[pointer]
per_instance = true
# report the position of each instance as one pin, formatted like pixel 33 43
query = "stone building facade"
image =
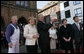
pixel 22 9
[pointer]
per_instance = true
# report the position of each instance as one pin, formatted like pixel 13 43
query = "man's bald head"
pixel 14 19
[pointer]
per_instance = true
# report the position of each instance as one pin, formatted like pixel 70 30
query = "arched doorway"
pixel 22 21
pixel 2 24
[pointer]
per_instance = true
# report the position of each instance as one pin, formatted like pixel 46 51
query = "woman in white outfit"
pixel 31 35
pixel 53 36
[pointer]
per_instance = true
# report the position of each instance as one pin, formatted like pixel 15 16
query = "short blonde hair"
pixel 30 18
pixel 13 17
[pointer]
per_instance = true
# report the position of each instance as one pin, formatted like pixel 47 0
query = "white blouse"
pixel 29 32
pixel 52 33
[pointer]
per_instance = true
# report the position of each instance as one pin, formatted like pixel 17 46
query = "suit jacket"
pixel 58 33
pixel 77 34
pixel 44 38
pixel 29 32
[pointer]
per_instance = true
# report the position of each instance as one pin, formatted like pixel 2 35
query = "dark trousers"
pixel 77 45
pixel 32 49
pixel 45 48
pixel 77 48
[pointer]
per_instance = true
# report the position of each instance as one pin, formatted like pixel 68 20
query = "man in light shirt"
pixel 77 34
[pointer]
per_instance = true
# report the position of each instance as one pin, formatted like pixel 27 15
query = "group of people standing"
pixel 70 35
pixel 43 35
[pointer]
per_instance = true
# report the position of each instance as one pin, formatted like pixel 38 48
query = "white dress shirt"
pixel 78 25
pixel 52 33
pixel 29 32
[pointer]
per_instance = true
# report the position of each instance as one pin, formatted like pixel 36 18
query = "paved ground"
pixel 22 50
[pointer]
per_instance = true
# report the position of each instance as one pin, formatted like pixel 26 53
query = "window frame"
pixel 17 3
pixel 23 3
pixel 77 14
pixel 65 4
pixel 67 14
pixel 74 2
pixel 26 4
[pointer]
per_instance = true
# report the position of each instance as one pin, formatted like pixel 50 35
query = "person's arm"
pixel 55 35
pixel 36 33
pixel 73 34
pixel 9 32
pixel 26 32
pixel 50 33
pixel 44 26
pixel 60 33
pixel 69 39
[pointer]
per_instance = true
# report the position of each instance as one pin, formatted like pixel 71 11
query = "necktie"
pixel 78 26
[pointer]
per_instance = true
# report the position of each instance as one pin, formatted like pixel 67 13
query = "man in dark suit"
pixel 58 35
pixel 44 39
pixel 77 34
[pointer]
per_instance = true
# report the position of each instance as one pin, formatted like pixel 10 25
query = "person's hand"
pixel 10 45
pixel 69 39
pixel 52 38
pixel 65 39
pixel 36 36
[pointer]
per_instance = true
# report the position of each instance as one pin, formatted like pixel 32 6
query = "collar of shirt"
pixel 31 25
pixel 15 25
pixel 77 23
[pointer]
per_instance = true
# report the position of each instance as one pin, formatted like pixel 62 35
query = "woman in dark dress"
pixel 66 37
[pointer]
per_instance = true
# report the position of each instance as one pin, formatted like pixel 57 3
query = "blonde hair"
pixel 30 18
pixel 13 17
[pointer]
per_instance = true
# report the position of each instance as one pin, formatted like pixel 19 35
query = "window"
pixel 18 2
pixel 26 3
pixel 78 12
pixel 22 3
pixel 76 2
pixel 66 4
pixel 3 1
pixel 67 14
